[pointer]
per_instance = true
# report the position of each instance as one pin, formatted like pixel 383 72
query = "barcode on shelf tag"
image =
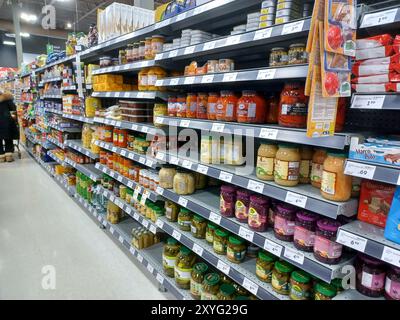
pixel 218 127
pixel 160 223
pixel 391 256
pixel 160 156
pixel 225 176
pixel 120 178
pixel 187 164
pixel 294 255
pixel 273 247
pixel 379 18
pixel 267 74
pixel 121 239
pixel 197 249
pixel 114 149
pixel 177 235
pixel 230 77
pixel 262 34
pixel 223 267
pixel 189 80
pixel 184 123
pixel 296 199
pixel 160 278
pixel 140 258
pixel 246 234
pixel 174 160
pixel 293 27
pixel 174 82
pixel 270 134
pixel 250 286
pixel 159 190
pixel 183 202
pixel 351 240
pixel 207 79
pixel 145 224
pixel 190 50
pixel 255 186
pixel 142 160
pixel 150 268
pixel 123 153
pixel 132 250
pixel 202 169
pixel 360 170
pixel 112 230
pixel 153 229
pixel 136 216
pixel 233 40
pixel 368 101
pixel 130 184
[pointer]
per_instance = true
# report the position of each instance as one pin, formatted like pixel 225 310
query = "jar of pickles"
pixel 278 57
pixel 236 249
pixel 264 266
pixel 297 54
pixel 196 282
pixel 185 219
pixel 198 227
pixel 184 182
pixel 284 222
pixel 281 277
pixel 170 253
pixel 324 291
pixel 184 267
pixel 300 286
pixel 226 292
pixel 220 241
pixel 171 211
pixel 211 228
pixel 210 286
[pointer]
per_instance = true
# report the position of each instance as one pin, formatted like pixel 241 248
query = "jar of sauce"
pixel 212 101
pixel 122 138
pixel 258 213
pixel 202 101
pixel 293 106
pixel 181 107
pixel 220 241
pixel 326 249
pixel 304 231
pixel 317 167
pixel 264 266
pixel 284 222
pixel 196 283
pixel 392 284
pixel 236 249
pixel 242 205
pixel 142 50
pixel 300 286
pixel 287 165
pixel 266 162
pixel 305 164
pixel 191 105
pixel 210 286
pixel 371 274
pixel 273 110
pixel 281 277
pixel 228 200
pixel 226 107
pixel 251 108
pixel 115 136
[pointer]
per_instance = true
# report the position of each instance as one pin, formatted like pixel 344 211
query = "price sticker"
pixel 119 178
pixel 126 94
pixel 134 127
pixel 160 278
pixel 368 102
pixel 360 170
pixel 114 149
pixel 105 223
pixel 197 249
pixel 233 40
pixel 173 54
pixel 225 176
pixel 160 156
pixel 159 190
pixel 351 240
pixel 145 224
pixel 136 216
pixel 177 235
pixel 250 286
pixel 118 124
pixel 190 50
pixel 209 45
pixel 391 256
pixel 296 199
pixel 293 27
pixel 142 160
pixel 202 169
pixel 187 164
pixel 218 127
pixel 112 174
pixel 141 95
pixel 207 79
pixel 137 191
pixel 150 268
pixel 262 34
pixel 246 234
pixel 294 255
pixel 230 77
pixel 153 229
pixel 128 210
pixel 183 202
pixel 112 230
pixel 123 153
pixel 184 123
pixel 266 74
pixel 132 250
pixel 140 258
pixel 159 120
pixel 376 19
pixel 104 170
pixel 160 223
pixel 131 156
pixel 255 186
pixel 223 267
pixel 108 94
pixel 112 198
pixel 130 184
pixel 99 218
pixel 149 163
pixel 174 82
pixel 270 134
pixel 121 239
pixel 189 80
pixel 174 160
pixel 143 199
pixel 273 247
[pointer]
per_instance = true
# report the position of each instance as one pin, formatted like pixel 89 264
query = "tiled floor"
pixel 40 226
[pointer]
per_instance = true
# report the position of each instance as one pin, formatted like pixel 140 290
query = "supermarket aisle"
pixel 40 226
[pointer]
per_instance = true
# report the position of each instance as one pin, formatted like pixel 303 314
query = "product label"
pixel 392 289
pixel 297 293
pixel 241 211
pixel 226 207
pixel 196 288
pixel 229 110
pixel 316 172
pixel 256 220
pixel 374 282
pixel 284 227
pixel 193 229
pixel 265 275
pixel 305 166
pixel 208 296
pixel 219 247
pixel 298 109
pixel 280 285
pixel 168 262
pixel 209 237
pixel 265 166
pixel 143 81
pixel 183 275
pixel 304 237
pixel 211 108
pixel 285 170
pixel 328 183
pixel 184 223
pixel 327 248
pixel 234 255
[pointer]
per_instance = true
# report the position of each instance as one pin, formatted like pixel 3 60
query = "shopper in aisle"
pixel 8 127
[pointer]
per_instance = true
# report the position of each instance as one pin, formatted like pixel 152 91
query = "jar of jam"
pixel 220 241
pixel 281 277
pixel 172 100
pixel 228 200
pixel 326 249
pixel 317 166
pixel 226 107
pixel 196 283
pixel 392 285
pixel 212 101
pixel 304 231
pixel 251 108
pixel 300 286
pixel 202 101
pixel 191 105
pixel 181 107
pixel 271 212
pixel 242 205
pixel 210 231
pixel 258 213
pixel 293 106
pixel 264 266
pixel 236 249
pixel 371 274
pixel 284 222
pixel 324 291
pixel 273 110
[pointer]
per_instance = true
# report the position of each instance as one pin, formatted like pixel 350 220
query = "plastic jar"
pixel 154 74
pixel 202 101
pixel 287 165
pixel 264 265
pixel 258 213
pixel 212 102
pixel 226 292
pixel 392 284
pixel 226 106
pixel 184 182
pixel 184 267
pixel 210 286
pixel 304 231
pixel 317 167
pixel 326 249
pixel 371 274
pixel 198 227
pixel 185 217
pixel 171 211
pixel 220 241
pixel 157 43
pixel 324 291
pixel 335 185
pixel 196 282
pixel 191 105
pixel 170 253
pixel 300 286
pixel 227 200
pixel 278 57
pixel 242 205
pixel 293 106
pixel 251 108
pixel 284 222
pixel 210 231
pixel 143 80
pixel 281 277
pixel 181 107
pixel 306 154
pixel 273 110
pixel 266 162
pixel 167 174
pixel 236 249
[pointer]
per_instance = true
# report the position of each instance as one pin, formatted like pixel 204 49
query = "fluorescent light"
pixel 69 25
pixel 25 34
pixel 28 17
pixel 9 43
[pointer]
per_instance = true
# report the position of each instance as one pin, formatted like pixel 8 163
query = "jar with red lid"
pixel 115 136
pixel 304 231
pixel 227 200
pixel 258 213
pixel 371 274
pixel 326 249
pixel 273 110
pixel 212 102
pixel 251 108
pixel 172 100
pixel 392 284
pixel 242 205
pixel 202 100
pixel 181 106
pixel 191 105
pixel 284 222
pixel 226 106
pixel 293 106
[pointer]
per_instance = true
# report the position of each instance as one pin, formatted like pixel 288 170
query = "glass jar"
pixel 122 57
pixel 324 291
pixel 226 106
pixel 200 181
pixel 306 154
pixel 143 79
pixel 284 222
pixel 293 106
pixel 167 174
pixel 264 265
pixel 226 292
pixel 210 231
pixel 227 200
pixel 172 100
pixel 198 227
pixel 184 182
pixel 371 275
pixel 287 165
pixel 209 149
pixel 392 284
pixel 202 101
pixel 281 277
pixel 335 185
pixel 236 250
pixel 297 54
pixel 184 267
pixel 252 251
pixel 278 57
pixel 128 53
pixel 135 51
pixel 212 101
pixel 160 110
pixel 171 211
pixel 170 253
pixel 317 167
pixel 266 162
pixel 154 74
pixel 251 108
pixel 196 282
pixel 258 213
pixel 300 286
pixel 326 250
pixel 210 286
pixel 191 105
pixel 273 110
pixel 181 106
pixel 142 50
pixel 271 213
pixel 220 241
pixel 242 205
pixel 157 44
pixel 304 231
pixel 148 49
pixel 185 217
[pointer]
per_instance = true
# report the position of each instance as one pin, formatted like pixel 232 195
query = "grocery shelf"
pixel 145 95
pixel 52 96
pixel 373 171
pixel 56 159
pixel 206 204
pixel 39 128
pixel 53 111
pixel 141 158
pixel 376 101
pixel 353 295
pixel 87 169
pixel 264 131
pixel 140 127
pixel 54 79
pixel 129 67
pixel 303 196
pixel 253 75
pixel 78 118
pixel 56 142
pixel 77 145
pixel 151 195
pixel 381 18
pixel 64 60
pixel 71 130
pixel 370 240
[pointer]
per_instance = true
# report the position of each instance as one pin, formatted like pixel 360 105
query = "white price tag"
pixel 130 184
pixel 112 198
pixel 160 223
pixel 197 249
pixel 209 45
pixel 141 94
pixel 140 258
pixel 250 286
pixel 189 80
pixel 112 230
pixel 173 54
pixel 174 82
pixel 120 178
pixel 368 101
pixel 160 156
pixel 262 34
pixel 123 153
pixel 112 174
pixel 105 223
pixel 218 127
pixel 187 164
pixel 174 160
pixel 159 190
pixel 132 250
pixel 142 160
pixel 270 134
pixel 293 27
pixel 246 234
pixel 190 50
pixel 143 200
pixel 134 127
pixel 177 235
pixel 294 255
pixel 255 186
pixel 104 170
pixel 230 77
pixel 136 217
pixel 296 199
pixel 391 256
pixel 223 267
pixel 183 202
pixel 159 120
pixel 108 94
pixel 149 163
pixel 131 156
pixel 128 210
pixel 267 74
pixel 202 169
pixel 136 193
pixel 273 247
pixel 360 170
pixel 233 40
pixel 379 18
pixel 153 229
pixel 126 94
pixel 160 278
pixel 184 123
pixel 225 176
pixel 99 218
pixel 351 240
pixel 114 149
pixel 145 224
pixel 150 268
pixel 207 79
pixel 121 239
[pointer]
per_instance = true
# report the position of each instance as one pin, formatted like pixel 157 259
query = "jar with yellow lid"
pixel 236 249
pixel 287 165
pixel 171 211
pixel 196 282
pixel 184 182
pixel 226 292
pixel 264 265
pixel 185 217
pixel 154 74
pixel 198 227
pixel 210 286
pixel 266 161
pixel 220 241
pixel 170 253
pixel 184 267
pixel 167 174
pixel 143 82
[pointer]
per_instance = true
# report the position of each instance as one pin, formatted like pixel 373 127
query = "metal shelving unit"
pixel 77 145
pixel 56 159
pixel 54 79
pixel 78 118
pixel 389 101
pixel 52 96
pixel 53 111
pixel 71 130
pixel 87 169
pixel 139 127
pixel 56 142
pixel 143 95
pixel 69 88
pixel 65 60
pixel 129 67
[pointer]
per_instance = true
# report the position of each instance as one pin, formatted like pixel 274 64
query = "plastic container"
pixel 304 231
pixel 326 249
pixel 258 213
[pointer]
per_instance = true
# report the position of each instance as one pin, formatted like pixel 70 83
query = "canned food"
pixel 283 19
pixel 266 24
pixel 270 10
pixel 267 17
pixel 287 12
pixel 288 5
pixel 268 3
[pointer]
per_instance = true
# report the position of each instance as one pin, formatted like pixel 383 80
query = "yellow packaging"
pixel 159 13
pixel 91 105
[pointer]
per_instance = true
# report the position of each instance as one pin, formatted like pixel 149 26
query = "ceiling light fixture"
pixel 12 35
pixel 9 43
pixel 69 25
pixel 28 17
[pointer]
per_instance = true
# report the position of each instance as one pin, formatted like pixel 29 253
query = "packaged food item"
pixel 202 102
pixel 258 213
pixel 374 42
pixel 172 101
pixel 304 231
pixel 284 222
pixel 209 149
pixel 226 292
pixel 392 230
pixel 266 162
pixel 251 108
pixel 167 174
pixel 154 74
pixel 181 106
pixel 227 106
pixel 264 265
pixel 375 53
pixel 242 205
pixel 297 54
pixel 236 249
pixel 160 110
pixel 185 217
pixel 300 286
pixel 210 231
pixel 157 43
pixel 212 101
pixel 371 274
pixel 226 65
pixel 287 165
pixel 191 105
pixel 170 253
pixel 293 106
pixel 196 282
pixel 184 267
pixel 210 286
pixel 171 211
pixel 198 227
pixel 273 110
pixel 212 66
pixel 278 57
pixel 317 166
pixel 324 291
pixel 184 182
pixel 326 249
pixel 220 241
pixel 305 164
pixel 392 284
pixel 228 200
pixel 281 277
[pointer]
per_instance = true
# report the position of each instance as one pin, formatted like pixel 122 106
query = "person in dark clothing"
pixel 8 127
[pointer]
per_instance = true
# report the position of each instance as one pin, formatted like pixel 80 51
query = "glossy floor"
pixel 42 230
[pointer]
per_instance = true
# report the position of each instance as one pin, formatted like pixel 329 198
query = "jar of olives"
pixel 236 249
pixel 297 54
pixel 220 241
pixel 198 227
pixel 226 292
pixel 278 57
pixel 185 219
pixel 196 283
pixel 170 253
pixel 210 286
pixel 300 286
pixel 184 267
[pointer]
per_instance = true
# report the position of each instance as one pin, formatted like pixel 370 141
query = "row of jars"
pixel 148 77
pixel 296 54
pixel 124 139
pixel 142 238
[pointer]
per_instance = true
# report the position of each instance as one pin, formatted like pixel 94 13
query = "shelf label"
pixel 131 156
pixel 202 169
pixel 293 27
pixel 144 198
pixel 134 127
pixel 123 153
pixel 112 230
pixel 183 202
pixel 233 40
pixel 273 247
pixel 296 199
pixel 159 120
pixel 104 170
pixel 149 163
pixel 160 156
pixel 391 256
pixel 262 34
pixel 207 79
pixel 177 235
pixel 121 239
pixel 376 19
pixel 159 190
pixel 130 184
pixel 250 286
pixel 126 95
pixel 99 218
pixel 140 258
pixel 132 250
pixel 368 102
pixel 352 241
pixel 137 191
pixel 360 170
pixel 190 50
pixel 105 223
pixel 267 74
pixel 173 54
pixel 294 255
pixel 225 176
pixel 255 186
pixel 145 224
pixel 223 267
pixel 215 218
pixel 142 160
pixel 141 94
pixel 218 127
pixel 230 77
pixel 209 45
pixel 160 278
pixel 189 80
pixel 128 210
pixel 114 149
pixel 112 174
pixel 136 217
pixel 160 223
pixel 246 234
pixel 174 82
pixel 174 160
pixel 120 178
pixel 187 164
pixel 153 229
pixel 150 268
pixel 270 134
pixel 197 249
pixel 184 123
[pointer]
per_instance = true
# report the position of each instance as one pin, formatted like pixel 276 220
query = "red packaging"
pixel 395 59
pixel 372 87
pixel 374 42
pixel 381 78
pixel 374 69
pixel 375 201
pixel 378 52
